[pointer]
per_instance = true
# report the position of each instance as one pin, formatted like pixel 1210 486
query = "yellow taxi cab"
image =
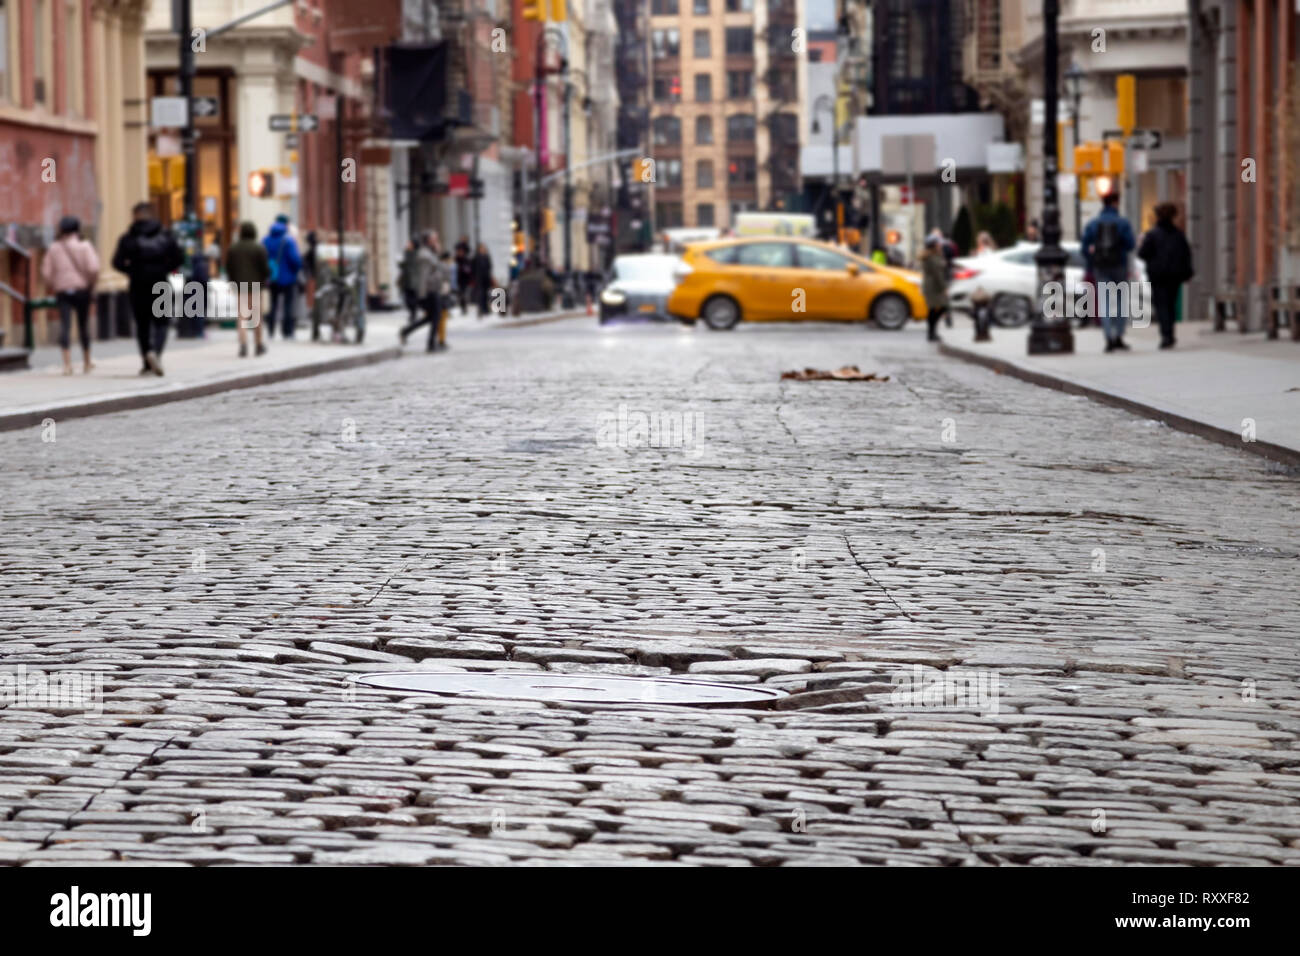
pixel 777 279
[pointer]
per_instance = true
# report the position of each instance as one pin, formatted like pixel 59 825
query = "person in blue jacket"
pixel 1108 242
pixel 286 262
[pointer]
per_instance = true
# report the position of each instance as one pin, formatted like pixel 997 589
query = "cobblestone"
pixel 226 567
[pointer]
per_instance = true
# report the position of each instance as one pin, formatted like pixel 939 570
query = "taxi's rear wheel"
pixel 890 311
pixel 721 313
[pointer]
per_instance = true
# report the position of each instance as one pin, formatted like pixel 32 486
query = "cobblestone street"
pixel 1124 596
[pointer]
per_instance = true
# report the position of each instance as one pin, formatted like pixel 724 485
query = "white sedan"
pixel 1010 277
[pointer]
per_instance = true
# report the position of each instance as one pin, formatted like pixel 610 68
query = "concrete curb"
pixel 1278 453
pixel 129 402
pixel 522 323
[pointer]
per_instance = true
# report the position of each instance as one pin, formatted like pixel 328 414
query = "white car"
pixel 1010 277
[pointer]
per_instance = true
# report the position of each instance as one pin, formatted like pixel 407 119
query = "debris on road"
pixel 847 373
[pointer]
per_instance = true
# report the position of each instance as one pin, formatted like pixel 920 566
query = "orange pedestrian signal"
pixel 261 183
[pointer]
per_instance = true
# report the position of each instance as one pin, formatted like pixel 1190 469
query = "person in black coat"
pixel 147 253
pixel 482 278
pixel 1168 257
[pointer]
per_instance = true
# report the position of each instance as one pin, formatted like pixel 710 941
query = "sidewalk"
pixel 1209 384
pixel 194 367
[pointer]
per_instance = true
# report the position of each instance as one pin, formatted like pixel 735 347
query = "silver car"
pixel 639 287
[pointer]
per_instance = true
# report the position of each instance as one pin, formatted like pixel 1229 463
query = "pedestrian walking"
pixel 249 267
pixel 1168 256
pixel 482 278
pixel 1107 241
pixel 286 263
pixel 950 253
pixel 406 280
pixel 464 273
pixel 985 244
pixel 148 254
pixel 70 270
pixel 432 286
pixel 934 284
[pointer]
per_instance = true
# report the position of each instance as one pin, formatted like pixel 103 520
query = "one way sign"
pixel 294 123
pixel 203 106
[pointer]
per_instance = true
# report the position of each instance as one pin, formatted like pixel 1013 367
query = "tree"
pixel 963 231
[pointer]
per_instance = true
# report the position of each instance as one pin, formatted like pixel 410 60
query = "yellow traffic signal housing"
pixel 1099 159
pixel 1126 103
pixel 548 220
pixel 559 13
pixel 533 10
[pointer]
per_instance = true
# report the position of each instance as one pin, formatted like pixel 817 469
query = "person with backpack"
pixel 247 264
pixel 147 253
pixel 1168 256
pixel 286 262
pixel 1107 241
pixel 70 270
pixel 934 284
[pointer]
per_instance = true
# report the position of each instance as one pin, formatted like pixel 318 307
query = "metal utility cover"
pixel 575 688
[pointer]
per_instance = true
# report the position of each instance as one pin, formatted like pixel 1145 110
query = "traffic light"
pixel 261 183
pixel 558 12
pixel 1126 103
pixel 533 10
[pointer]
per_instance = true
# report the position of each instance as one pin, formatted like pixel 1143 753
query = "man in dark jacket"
pixel 286 261
pixel 1168 256
pixel 148 254
pixel 482 277
pixel 464 271
pixel 248 267
pixel 1107 242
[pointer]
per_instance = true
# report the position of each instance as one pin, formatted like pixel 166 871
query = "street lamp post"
pixel 1074 80
pixel 826 103
pixel 1050 334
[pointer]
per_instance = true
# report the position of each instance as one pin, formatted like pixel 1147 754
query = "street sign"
pixel 291 141
pixel 204 105
pixel 1147 139
pixel 907 154
pixel 291 122
pixel 168 111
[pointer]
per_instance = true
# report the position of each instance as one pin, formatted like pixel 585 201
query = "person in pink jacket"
pixel 70 271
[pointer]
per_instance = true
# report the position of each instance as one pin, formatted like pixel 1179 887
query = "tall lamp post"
pixel 824 102
pixel 1074 80
pixel 1050 334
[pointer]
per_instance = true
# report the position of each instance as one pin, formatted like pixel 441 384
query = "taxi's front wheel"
pixel 890 311
pixel 721 313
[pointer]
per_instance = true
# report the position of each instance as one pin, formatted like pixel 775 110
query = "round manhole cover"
pixel 575 688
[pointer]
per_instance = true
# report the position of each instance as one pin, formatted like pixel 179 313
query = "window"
pixel 769 255
pixel 741 171
pixel 704 174
pixel 672 169
pixel 8 38
pixel 740 41
pixel 740 128
pixel 740 6
pixel 703 87
pixel 667 89
pixel 41 56
pixel 665 43
pixel 740 84
pixel 704 214
pixel 703 130
pixel 785 129
pixel 815 257
pixel 668 215
pixel 700 8
pixel 74 87
pixel 667 131
pixel 724 254
pixel 702 44
pixel 665 8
